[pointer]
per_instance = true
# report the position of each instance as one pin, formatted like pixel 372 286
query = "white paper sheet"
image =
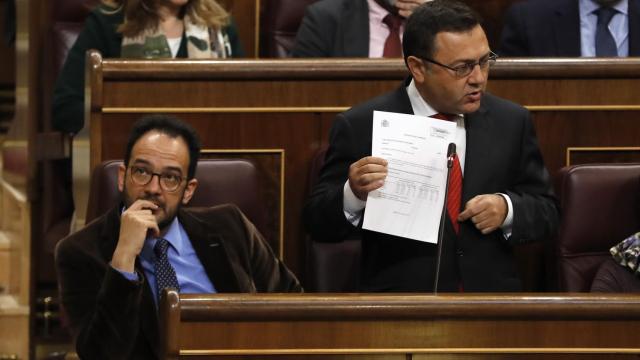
pixel 410 202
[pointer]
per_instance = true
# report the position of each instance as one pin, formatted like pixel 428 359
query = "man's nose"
pixel 154 184
pixel 478 76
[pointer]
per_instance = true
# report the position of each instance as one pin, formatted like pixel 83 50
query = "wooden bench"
pixel 376 326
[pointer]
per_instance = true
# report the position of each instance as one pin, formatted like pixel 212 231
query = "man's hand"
pixel 366 175
pixel 487 212
pixel 135 222
pixel 406 7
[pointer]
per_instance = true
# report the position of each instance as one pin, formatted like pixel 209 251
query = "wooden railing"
pixel 402 326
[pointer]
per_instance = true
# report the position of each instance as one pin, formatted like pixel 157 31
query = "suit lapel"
pixel 477 153
pixel 209 246
pixel 566 24
pixel 634 28
pixel 355 18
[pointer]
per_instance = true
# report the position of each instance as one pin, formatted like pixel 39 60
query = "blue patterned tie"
pixel 165 274
pixel 605 43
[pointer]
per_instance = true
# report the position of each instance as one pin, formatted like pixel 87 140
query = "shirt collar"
pixel 589 6
pixel 419 105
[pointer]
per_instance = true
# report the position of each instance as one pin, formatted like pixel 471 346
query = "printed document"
pixel 410 202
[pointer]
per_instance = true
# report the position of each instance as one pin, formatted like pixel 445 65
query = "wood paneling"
pixel 246 16
pixel 290 104
pixel 399 325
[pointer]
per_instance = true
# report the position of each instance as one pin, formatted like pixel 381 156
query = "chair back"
pixel 600 208
pixel 281 19
pixel 331 266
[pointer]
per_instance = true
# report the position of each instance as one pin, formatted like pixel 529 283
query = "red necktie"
pixel 393 46
pixel 454 194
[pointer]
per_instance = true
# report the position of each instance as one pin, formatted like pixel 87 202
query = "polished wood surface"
pixel 290 104
pixel 399 325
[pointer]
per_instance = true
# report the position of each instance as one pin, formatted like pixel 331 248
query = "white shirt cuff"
pixel 507 224
pixel 351 205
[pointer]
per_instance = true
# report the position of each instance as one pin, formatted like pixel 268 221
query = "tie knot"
pixel 160 249
pixel 393 21
pixel 605 13
pixel 442 116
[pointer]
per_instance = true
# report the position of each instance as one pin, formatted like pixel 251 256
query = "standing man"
pixel 506 198
pixel 572 28
pixel 112 272
pixel 353 28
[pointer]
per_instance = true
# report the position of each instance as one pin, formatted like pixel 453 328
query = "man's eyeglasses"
pixel 142 176
pixel 465 69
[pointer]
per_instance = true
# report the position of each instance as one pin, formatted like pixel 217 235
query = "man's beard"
pixel 170 215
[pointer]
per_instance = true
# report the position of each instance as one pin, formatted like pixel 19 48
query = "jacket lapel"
pixel 355 18
pixel 149 314
pixel 479 140
pixel 634 28
pixel 566 24
pixel 209 246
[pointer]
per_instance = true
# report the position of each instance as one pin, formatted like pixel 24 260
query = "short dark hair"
pixel 168 125
pixel 431 18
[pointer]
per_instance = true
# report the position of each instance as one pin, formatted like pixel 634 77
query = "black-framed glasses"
pixel 142 176
pixel 465 69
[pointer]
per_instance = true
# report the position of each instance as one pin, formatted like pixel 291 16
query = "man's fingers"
pixel 471 209
pixel 485 212
pixel 370 160
pixel 367 179
pixel 142 204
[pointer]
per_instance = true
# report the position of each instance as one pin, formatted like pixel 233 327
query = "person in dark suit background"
pixel 506 196
pixel 569 28
pixel 112 272
pixel 353 28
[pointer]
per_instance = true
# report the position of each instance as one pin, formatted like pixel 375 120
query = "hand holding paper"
pixel 366 175
pixel 409 204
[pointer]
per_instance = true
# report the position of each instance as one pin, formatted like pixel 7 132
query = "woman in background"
pixel 146 29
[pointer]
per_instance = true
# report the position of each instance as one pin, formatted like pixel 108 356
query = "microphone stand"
pixel 451 152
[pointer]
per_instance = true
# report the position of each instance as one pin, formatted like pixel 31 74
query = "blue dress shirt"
pixel 619 27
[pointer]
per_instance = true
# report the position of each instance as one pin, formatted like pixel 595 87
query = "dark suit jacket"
pixel 551 28
pixel 114 318
pixel 334 28
pixel 502 155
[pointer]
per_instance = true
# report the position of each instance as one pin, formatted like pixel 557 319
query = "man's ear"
pixel 122 173
pixel 189 190
pixel 417 68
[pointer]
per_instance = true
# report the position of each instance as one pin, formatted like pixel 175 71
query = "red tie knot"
pixel 393 21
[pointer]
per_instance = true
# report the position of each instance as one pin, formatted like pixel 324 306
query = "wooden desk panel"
pixel 399 326
pixel 290 104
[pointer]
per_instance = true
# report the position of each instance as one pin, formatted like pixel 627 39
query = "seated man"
pixel 504 196
pixel 112 272
pixel 572 28
pixel 353 28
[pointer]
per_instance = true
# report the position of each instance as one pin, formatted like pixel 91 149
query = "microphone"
pixel 451 153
